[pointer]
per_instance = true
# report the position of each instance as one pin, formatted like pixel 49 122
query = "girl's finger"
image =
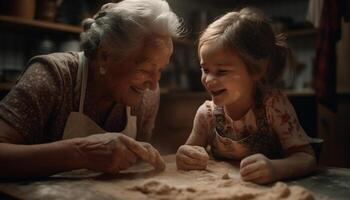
pixel 249 169
pixel 252 176
pixel 247 161
pixel 190 161
pixel 196 154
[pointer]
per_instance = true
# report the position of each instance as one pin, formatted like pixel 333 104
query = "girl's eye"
pixel 222 72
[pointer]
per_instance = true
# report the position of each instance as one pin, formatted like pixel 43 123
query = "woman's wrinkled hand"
pixel 146 152
pixel 191 158
pixel 112 152
pixel 257 168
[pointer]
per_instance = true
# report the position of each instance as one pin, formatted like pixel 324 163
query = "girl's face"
pixel 127 81
pixel 225 75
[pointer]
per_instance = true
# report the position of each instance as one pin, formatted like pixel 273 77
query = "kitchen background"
pixel 32 27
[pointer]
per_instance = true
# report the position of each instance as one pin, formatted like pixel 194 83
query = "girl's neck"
pixel 240 108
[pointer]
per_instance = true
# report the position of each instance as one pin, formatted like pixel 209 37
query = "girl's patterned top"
pixel 270 127
pixel 39 104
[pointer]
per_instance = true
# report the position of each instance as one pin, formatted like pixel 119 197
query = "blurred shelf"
pixel 17 22
pixel 301 32
pixel 343 92
pixel 306 92
pixel 184 42
pixel 6 86
pixel 38 24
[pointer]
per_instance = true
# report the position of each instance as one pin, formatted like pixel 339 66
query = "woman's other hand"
pixel 257 168
pixel 112 152
pixel 191 158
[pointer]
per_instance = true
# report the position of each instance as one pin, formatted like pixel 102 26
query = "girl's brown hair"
pixel 249 33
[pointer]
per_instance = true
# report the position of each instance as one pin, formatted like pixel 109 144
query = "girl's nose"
pixel 211 81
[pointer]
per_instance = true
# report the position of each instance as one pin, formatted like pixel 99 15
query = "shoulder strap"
pixel 82 80
pixel 260 112
pixel 219 117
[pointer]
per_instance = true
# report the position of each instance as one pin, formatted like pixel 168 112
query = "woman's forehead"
pixel 155 50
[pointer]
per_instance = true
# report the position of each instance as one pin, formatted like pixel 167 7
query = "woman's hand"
pixel 112 152
pixel 146 152
pixel 257 168
pixel 191 157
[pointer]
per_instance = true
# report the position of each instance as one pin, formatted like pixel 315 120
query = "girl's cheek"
pixel 203 79
pixel 236 76
pixel 233 78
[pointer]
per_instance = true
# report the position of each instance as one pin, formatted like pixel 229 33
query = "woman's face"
pixel 225 75
pixel 128 80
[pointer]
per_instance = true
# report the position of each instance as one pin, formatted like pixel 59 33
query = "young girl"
pixel 241 59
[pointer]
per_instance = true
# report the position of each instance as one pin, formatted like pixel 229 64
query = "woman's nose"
pixel 152 83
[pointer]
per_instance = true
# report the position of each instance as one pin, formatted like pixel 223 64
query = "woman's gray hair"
pixel 125 25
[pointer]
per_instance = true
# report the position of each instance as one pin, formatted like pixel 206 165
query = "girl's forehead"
pixel 211 57
pixel 213 51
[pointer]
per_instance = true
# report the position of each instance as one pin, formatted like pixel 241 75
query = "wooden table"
pixel 326 183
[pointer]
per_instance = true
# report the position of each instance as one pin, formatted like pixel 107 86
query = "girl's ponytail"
pixel 280 56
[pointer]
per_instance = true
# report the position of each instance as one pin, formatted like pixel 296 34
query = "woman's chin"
pixel 133 101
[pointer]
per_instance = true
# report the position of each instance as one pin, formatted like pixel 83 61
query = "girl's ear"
pixel 264 63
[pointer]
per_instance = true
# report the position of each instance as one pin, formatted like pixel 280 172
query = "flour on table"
pixel 220 181
pixel 222 190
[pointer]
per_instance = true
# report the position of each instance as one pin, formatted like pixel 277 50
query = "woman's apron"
pixel 78 124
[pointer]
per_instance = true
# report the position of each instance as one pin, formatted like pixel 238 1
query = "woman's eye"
pixel 142 71
pixel 205 70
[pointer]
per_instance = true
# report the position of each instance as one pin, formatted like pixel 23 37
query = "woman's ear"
pixel 102 59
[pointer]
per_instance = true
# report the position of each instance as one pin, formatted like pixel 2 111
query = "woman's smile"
pixel 137 89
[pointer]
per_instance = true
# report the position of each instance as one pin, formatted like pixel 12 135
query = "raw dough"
pixel 220 181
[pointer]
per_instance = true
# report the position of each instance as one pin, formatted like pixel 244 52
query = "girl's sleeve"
pixel 284 121
pixel 202 127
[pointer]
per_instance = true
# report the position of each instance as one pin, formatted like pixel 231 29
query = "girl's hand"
pixel 112 152
pixel 191 157
pixel 257 168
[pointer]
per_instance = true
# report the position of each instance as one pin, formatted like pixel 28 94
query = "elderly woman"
pixel 49 122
